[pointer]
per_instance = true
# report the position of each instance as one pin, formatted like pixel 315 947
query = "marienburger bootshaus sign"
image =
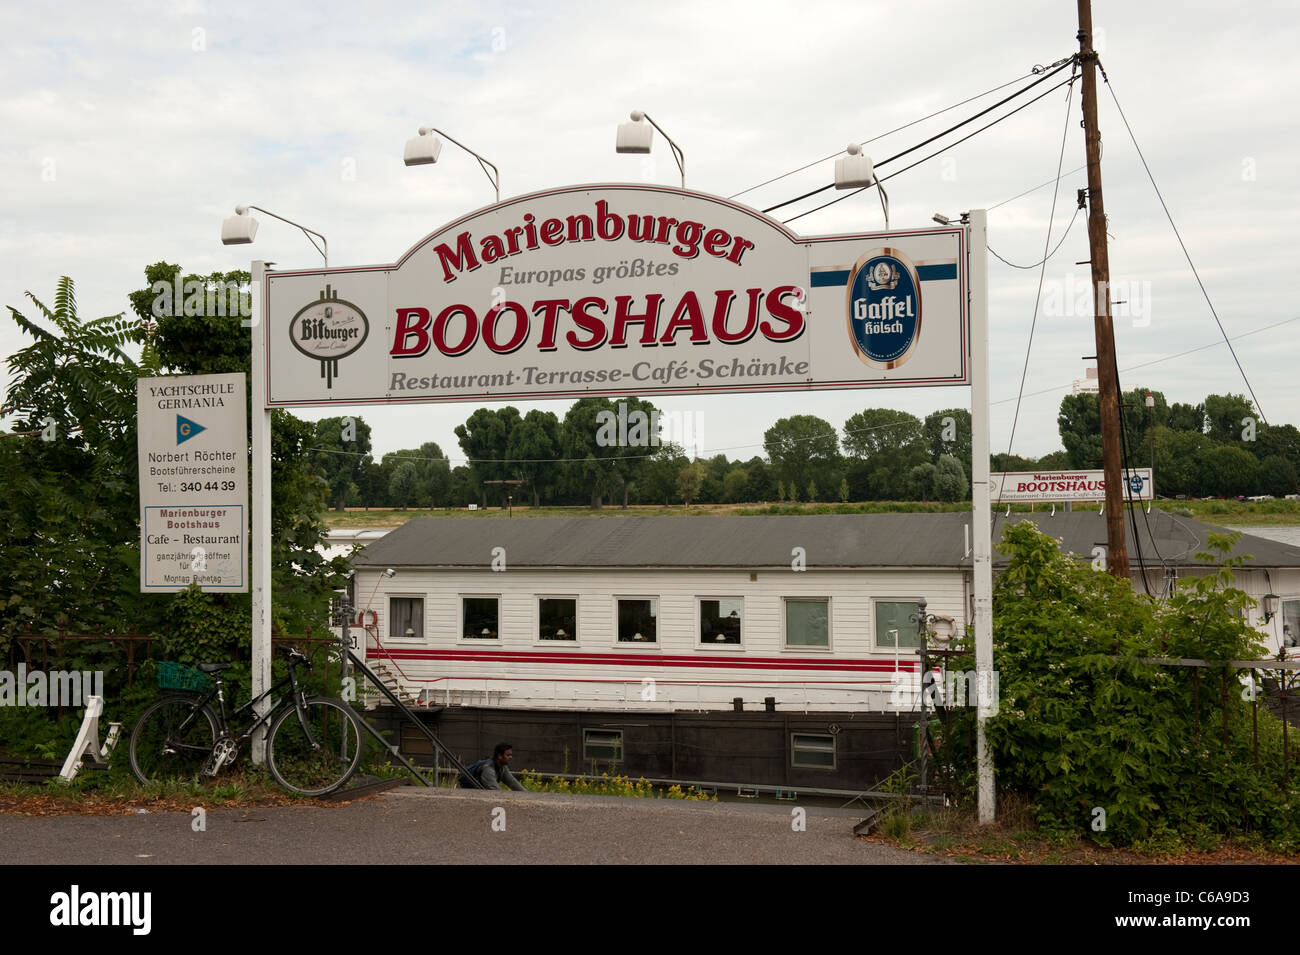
pixel 193 451
pixel 617 290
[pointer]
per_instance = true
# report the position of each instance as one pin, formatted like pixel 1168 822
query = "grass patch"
pixel 1262 513
pixel 1015 839
pixel 106 794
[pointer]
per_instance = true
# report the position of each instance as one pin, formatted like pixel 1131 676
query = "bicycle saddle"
pixel 214 667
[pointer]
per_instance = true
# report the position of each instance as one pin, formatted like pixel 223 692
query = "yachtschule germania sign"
pixel 622 289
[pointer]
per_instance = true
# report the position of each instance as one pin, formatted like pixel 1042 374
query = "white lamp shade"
pixel 238 230
pixel 422 150
pixel 853 172
pixel 634 137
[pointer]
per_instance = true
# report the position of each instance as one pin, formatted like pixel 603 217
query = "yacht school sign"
pixel 621 289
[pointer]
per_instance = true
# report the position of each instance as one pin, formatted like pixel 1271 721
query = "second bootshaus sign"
pixel 615 290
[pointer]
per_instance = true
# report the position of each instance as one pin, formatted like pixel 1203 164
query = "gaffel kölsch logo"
pixel 328 330
pixel 884 308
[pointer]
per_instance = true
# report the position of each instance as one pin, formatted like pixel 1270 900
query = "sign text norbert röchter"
pixel 193 457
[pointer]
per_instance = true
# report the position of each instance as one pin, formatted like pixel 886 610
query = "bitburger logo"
pixel 329 330
pixel 884 308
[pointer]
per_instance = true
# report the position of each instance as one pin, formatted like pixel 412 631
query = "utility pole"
pixel 1107 377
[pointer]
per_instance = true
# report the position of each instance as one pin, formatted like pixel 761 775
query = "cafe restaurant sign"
pixel 616 290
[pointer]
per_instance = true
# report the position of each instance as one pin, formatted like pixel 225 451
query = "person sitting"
pixel 495 771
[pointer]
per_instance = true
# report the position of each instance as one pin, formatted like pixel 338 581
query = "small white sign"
pixel 1010 487
pixel 193 455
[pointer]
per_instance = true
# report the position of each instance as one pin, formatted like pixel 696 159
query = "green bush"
pixel 1084 723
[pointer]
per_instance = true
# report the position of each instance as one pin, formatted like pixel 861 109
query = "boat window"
pixel 557 618
pixel 812 750
pixel 807 622
pixel 638 620
pixel 406 618
pixel 893 628
pixel 720 620
pixel 602 746
pixel 479 616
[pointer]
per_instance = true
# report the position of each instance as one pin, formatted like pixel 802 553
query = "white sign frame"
pixel 1050 486
pixel 638 316
pixel 192 446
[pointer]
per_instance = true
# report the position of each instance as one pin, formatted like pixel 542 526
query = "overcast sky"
pixel 132 129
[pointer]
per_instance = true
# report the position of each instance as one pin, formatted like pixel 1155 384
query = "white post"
pixel 981 524
pixel 261 524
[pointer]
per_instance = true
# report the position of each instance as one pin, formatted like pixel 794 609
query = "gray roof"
pixel 829 540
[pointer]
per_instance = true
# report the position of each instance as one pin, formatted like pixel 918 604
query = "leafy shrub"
pixel 1084 721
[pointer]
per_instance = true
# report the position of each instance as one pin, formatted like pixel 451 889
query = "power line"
pixel 925 142
pixel 1047 242
pixel 1165 358
pixel 1064 236
pixel 1035 189
pixel 1181 244
pixel 896 129
pixel 932 155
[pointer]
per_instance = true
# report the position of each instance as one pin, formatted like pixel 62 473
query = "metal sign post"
pixel 261 576
pixel 981 518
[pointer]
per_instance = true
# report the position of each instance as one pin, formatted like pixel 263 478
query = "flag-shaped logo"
pixel 186 429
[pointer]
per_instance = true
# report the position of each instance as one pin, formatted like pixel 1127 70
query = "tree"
pixel 999 463
pixel 923 481
pixel 68 517
pixel 1183 417
pixel 342 457
pixel 1079 422
pixel 736 485
pixel 1139 420
pixel 485 437
pixel 658 481
pixel 689 480
pixel 591 469
pixel 1055 461
pixel 761 483
pixel 531 448
pixel 1177 461
pixel 1278 476
pixel 404 486
pixel 1226 416
pixel 949 432
pixel 890 444
pixel 1281 440
pixel 802 448
pixel 1228 471
pixel 844 490
pixel 950 482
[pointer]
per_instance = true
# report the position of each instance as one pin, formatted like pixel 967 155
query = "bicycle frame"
pixel 224 722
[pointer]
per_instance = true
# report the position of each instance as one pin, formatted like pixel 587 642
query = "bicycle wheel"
pixel 316 754
pixel 172 740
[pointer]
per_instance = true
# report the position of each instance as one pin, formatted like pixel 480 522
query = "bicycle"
pixel 313 744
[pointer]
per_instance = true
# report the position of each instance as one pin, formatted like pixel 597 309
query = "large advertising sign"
pixel 193 455
pixel 616 290
pixel 1010 487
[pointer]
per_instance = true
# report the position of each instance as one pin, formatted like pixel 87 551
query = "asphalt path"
pixel 438 826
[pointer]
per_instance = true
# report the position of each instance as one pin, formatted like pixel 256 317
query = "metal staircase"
pixel 388 686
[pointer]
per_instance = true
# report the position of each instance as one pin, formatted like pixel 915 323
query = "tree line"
pixel 542 458
pixel 1217 448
